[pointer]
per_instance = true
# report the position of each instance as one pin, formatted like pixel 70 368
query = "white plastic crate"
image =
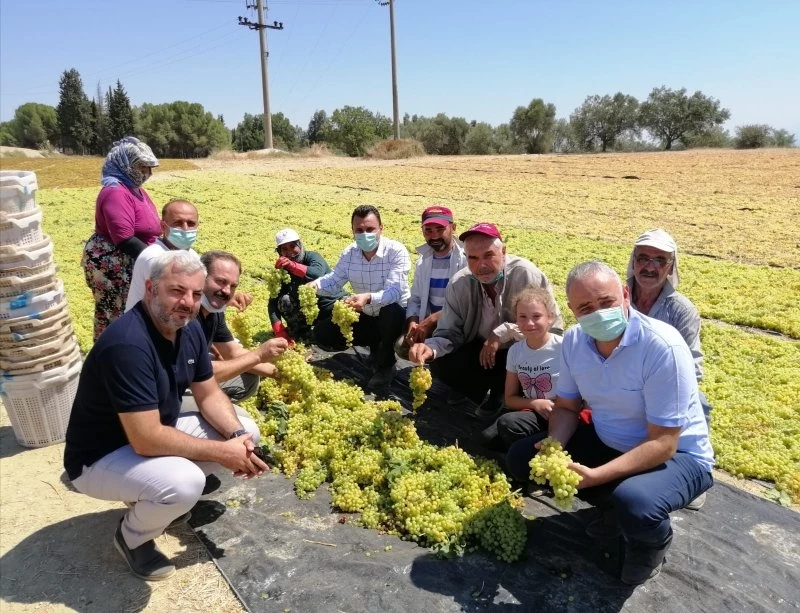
pixel 27 304
pixel 56 327
pixel 17 191
pixel 18 353
pixel 34 321
pixel 33 366
pixel 21 228
pixel 15 259
pixel 12 286
pixel 39 409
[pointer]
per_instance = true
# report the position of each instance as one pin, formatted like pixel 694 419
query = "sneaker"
pixel 604 528
pixel 383 377
pixel 697 503
pixel 490 408
pixel 145 561
pixel 212 484
pixel 179 521
pixel 642 563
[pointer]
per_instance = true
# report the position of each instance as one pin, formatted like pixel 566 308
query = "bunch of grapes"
pixel 242 331
pixel 500 529
pixel 308 303
pixel 274 278
pixel 551 465
pixel 345 316
pixel 420 381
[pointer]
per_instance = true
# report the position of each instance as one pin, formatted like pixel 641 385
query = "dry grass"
pixel 396 149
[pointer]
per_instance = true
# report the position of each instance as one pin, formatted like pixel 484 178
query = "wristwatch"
pixel 238 433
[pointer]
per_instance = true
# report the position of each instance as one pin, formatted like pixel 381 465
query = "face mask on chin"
pixel 604 325
pixel 367 241
pixel 181 239
pixel 204 302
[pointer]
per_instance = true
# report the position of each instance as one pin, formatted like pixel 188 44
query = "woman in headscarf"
pixel 126 221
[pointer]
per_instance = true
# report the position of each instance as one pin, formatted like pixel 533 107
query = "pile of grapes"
pixel 322 430
pixel 551 465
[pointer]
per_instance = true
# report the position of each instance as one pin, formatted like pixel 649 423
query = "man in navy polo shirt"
pixel 648 445
pixel 127 440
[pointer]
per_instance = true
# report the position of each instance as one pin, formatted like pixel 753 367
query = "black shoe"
pixel 383 377
pixel 145 561
pixel 212 484
pixel 642 563
pixel 490 408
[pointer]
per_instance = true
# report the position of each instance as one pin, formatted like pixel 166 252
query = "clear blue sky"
pixel 478 60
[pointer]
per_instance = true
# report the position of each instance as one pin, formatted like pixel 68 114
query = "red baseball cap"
pixel 439 215
pixel 485 228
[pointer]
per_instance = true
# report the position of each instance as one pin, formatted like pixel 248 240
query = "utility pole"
pixel 262 39
pixel 395 104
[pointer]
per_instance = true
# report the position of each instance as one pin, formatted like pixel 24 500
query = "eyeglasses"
pixel 658 262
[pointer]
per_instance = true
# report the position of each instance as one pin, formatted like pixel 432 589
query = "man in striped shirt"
pixel 440 258
pixel 377 269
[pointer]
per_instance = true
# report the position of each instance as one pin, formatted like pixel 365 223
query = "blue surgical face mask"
pixel 498 278
pixel 605 324
pixel 182 239
pixel 367 241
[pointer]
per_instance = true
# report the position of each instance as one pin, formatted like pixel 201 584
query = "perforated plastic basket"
pixel 28 304
pixel 16 285
pixel 17 191
pixel 33 321
pixel 15 259
pixel 19 353
pixel 21 228
pixel 39 410
pixel 67 355
pixel 57 326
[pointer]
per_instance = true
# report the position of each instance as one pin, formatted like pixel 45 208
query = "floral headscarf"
pixel 119 167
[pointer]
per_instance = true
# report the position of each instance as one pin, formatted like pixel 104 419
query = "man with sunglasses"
pixel 652 282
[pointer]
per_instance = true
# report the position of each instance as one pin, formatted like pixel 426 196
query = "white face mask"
pixel 209 307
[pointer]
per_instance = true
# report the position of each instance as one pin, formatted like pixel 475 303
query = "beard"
pixel 438 244
pixel 170 318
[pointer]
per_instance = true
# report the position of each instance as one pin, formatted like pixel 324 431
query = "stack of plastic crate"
pixel 39 355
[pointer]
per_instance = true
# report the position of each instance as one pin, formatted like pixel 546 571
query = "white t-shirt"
pixel 141 271
pixel 537 369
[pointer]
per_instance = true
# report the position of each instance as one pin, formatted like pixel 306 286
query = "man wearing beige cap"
pixel 440 257
pixel 652 279
pixel 471 341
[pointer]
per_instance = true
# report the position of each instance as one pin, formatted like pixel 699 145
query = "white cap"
pixel 658 239
pixel 287 235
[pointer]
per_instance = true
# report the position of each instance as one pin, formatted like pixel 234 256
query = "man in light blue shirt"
pixel 648 443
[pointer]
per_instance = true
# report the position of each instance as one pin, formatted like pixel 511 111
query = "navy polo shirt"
pixel 130 368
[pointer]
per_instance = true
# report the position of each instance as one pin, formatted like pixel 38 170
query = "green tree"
pixel 755 136
pixel 716 138
pixel 564 140
pixel 480 140
pixel 356 129
pixel 283 130
pixel 600 120
pixel 7 138
pixel 120 114
pixel 318 128
pixel 74 114
pixel 672 116
pixel 532 125
pixel 248 135
pixel 34 126
pixel 782 138
pixel 180 129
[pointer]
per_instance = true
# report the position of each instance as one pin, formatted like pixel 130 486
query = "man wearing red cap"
pixel 466 347
pixel 440 258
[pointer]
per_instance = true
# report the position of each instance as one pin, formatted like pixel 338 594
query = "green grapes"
pixel 420 381
pixel 345 316
pixel 242 331
pixel 322 430
pixel 274 278
pixel 551 465
pixel 308 303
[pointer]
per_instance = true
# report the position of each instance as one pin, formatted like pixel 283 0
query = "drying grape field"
pixel 734 216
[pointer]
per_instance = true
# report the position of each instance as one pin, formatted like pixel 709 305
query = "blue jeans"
pixel 642 502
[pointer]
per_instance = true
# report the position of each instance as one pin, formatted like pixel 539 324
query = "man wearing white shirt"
pixel 179 221
pixel 377 269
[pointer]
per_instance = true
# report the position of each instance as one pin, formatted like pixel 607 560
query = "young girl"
pixel 531 369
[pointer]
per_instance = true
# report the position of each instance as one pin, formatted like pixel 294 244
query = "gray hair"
pixel 177 261
pixel 590 269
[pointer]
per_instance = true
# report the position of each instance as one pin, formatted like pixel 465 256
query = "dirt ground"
pixel 56 551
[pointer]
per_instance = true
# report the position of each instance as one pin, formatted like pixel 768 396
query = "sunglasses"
pixel 658 262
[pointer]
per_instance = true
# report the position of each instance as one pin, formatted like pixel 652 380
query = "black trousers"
pixel 462 371
pixel 378 332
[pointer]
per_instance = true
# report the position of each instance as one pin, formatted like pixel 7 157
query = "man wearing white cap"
pixel 471 341
pixel 303 266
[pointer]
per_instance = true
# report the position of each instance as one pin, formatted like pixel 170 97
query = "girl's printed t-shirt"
pixel 537 369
